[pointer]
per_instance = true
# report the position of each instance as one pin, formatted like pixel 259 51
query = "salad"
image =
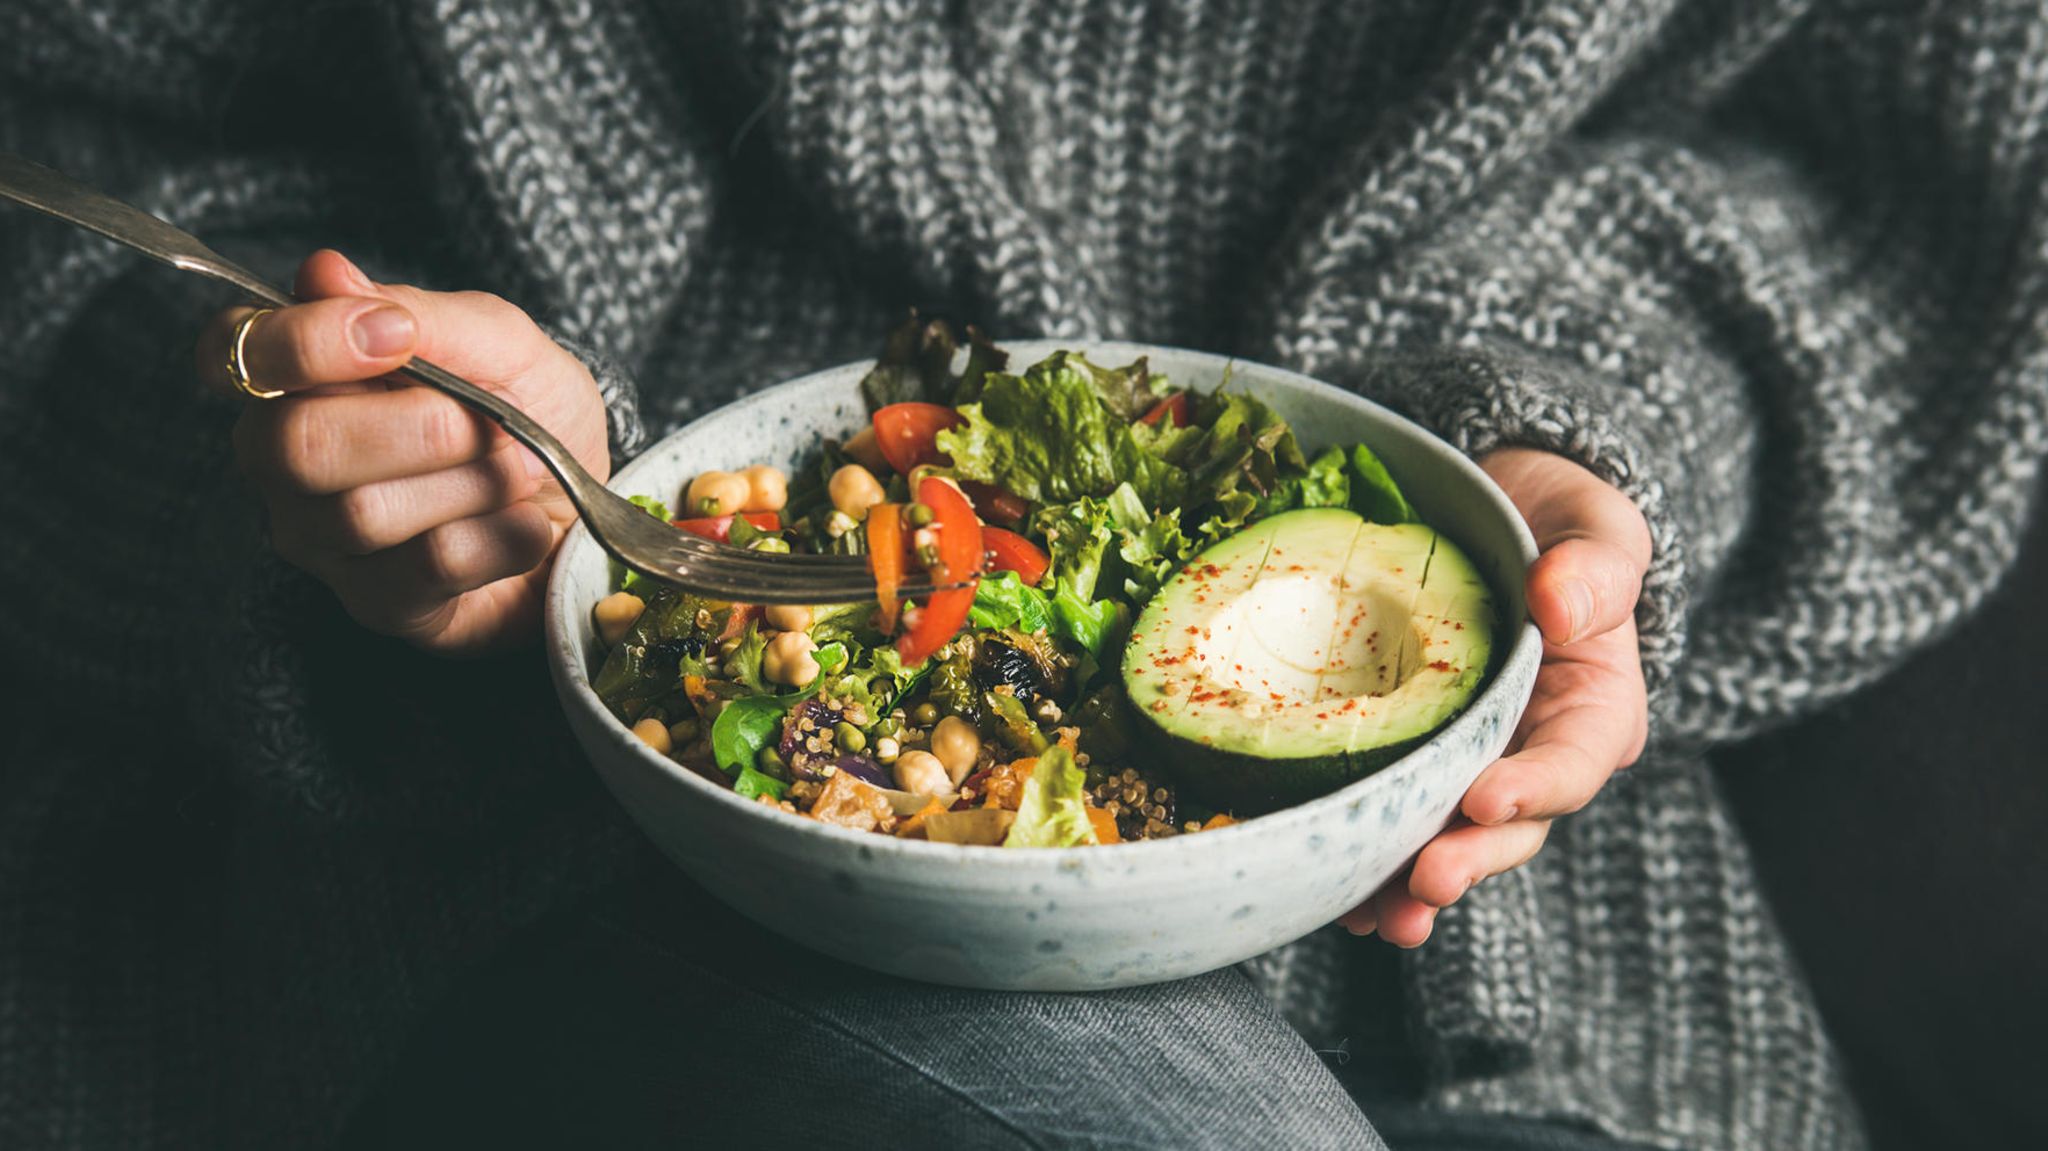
pixel 1175 615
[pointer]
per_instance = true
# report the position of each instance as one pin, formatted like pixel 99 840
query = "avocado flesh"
pixel 1307 651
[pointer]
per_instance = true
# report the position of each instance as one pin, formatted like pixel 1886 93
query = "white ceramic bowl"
pixel 1076 918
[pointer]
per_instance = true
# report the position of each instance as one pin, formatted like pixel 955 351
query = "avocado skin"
pixel 1232 781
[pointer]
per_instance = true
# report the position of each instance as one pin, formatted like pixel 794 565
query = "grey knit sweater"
pixel 1774 268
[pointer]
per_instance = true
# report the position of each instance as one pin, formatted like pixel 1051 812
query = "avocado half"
pixel 1305 652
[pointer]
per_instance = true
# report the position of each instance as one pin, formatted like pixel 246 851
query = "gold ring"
pixel 238 366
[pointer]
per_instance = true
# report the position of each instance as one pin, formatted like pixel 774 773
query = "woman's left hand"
pixel 1587 717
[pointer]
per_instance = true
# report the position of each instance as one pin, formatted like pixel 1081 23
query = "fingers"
pixel 319 445
pixel 307 345
pixel 1594 541
pixel 1360 920
pixel 1401 919
pixel 1463 856
pixel 1562 764
pixel 1582 588
pixel 411 589
pixel 450 323
pixel 375 516
pixel 354 329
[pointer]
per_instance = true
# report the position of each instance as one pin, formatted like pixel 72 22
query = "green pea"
pixel 925 714
pixel 768 762
pixel 921 515
pixel 888 727
pixel 775 544
pixel 849 737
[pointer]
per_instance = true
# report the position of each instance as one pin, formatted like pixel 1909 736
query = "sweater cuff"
pixel 624 431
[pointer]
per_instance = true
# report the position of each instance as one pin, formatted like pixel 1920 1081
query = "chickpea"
pixel 956 744
pixel 787 616
pixel 854 490
pixel 716 494
pixel 865 449
pixel 654 734
pixel 788 659
pixel 767 488
pixel 921 773
pixel 616 614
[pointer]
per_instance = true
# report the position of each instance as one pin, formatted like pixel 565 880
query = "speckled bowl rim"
pixel 567 659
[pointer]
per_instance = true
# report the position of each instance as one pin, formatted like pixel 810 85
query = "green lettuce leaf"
pixel 1246 447
pixel 1091 625
pixel 844 621
pixel 1005 600
pixel 625 579
pixel 751 783
pixel 746 725
pixel 1374 494
pixel 1151 546
pixel 1053 811
pixel 1325 484
pixel 1077 537
pixel 1049 437
pixel 1128 391
pixel 744 664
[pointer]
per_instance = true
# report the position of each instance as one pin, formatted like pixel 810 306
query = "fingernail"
pixel 1508 814
pixel 1578 601
pixel 383 331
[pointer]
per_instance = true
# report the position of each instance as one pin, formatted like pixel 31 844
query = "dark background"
pixel 1901 841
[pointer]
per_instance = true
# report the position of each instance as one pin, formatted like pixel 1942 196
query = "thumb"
pixel 1594 543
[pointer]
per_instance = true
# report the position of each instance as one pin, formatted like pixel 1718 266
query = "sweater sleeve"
pixel 1801 330
pixel 1826 404
pixel 129 525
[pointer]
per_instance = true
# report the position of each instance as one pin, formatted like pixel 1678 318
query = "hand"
pixel 426 519
pixel 1587 716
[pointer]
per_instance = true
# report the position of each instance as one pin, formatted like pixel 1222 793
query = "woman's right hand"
pixel 427 520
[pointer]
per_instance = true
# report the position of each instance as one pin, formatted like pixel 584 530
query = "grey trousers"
pixel 661 1019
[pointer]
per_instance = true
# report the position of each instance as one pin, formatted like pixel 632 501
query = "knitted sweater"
pixel 1773 267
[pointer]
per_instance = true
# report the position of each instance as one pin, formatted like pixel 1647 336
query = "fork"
pixel 640 541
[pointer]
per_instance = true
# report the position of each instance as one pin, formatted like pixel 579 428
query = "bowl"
pixel 1068 919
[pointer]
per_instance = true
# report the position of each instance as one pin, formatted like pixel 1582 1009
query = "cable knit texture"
pixel 1774 268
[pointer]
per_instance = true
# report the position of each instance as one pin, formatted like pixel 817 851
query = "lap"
pixel 661 1016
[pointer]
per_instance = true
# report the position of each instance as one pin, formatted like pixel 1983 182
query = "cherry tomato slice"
pixel 943 613
pixel 907 433
pixel 994 505
pixel 719 528
pixel 1010 552
pixel 1175 405
pixel 885 558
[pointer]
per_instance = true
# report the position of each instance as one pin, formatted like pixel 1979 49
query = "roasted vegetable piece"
pixel 848 802
pixel 1030 667
pixel 980 827
pixel 666 643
